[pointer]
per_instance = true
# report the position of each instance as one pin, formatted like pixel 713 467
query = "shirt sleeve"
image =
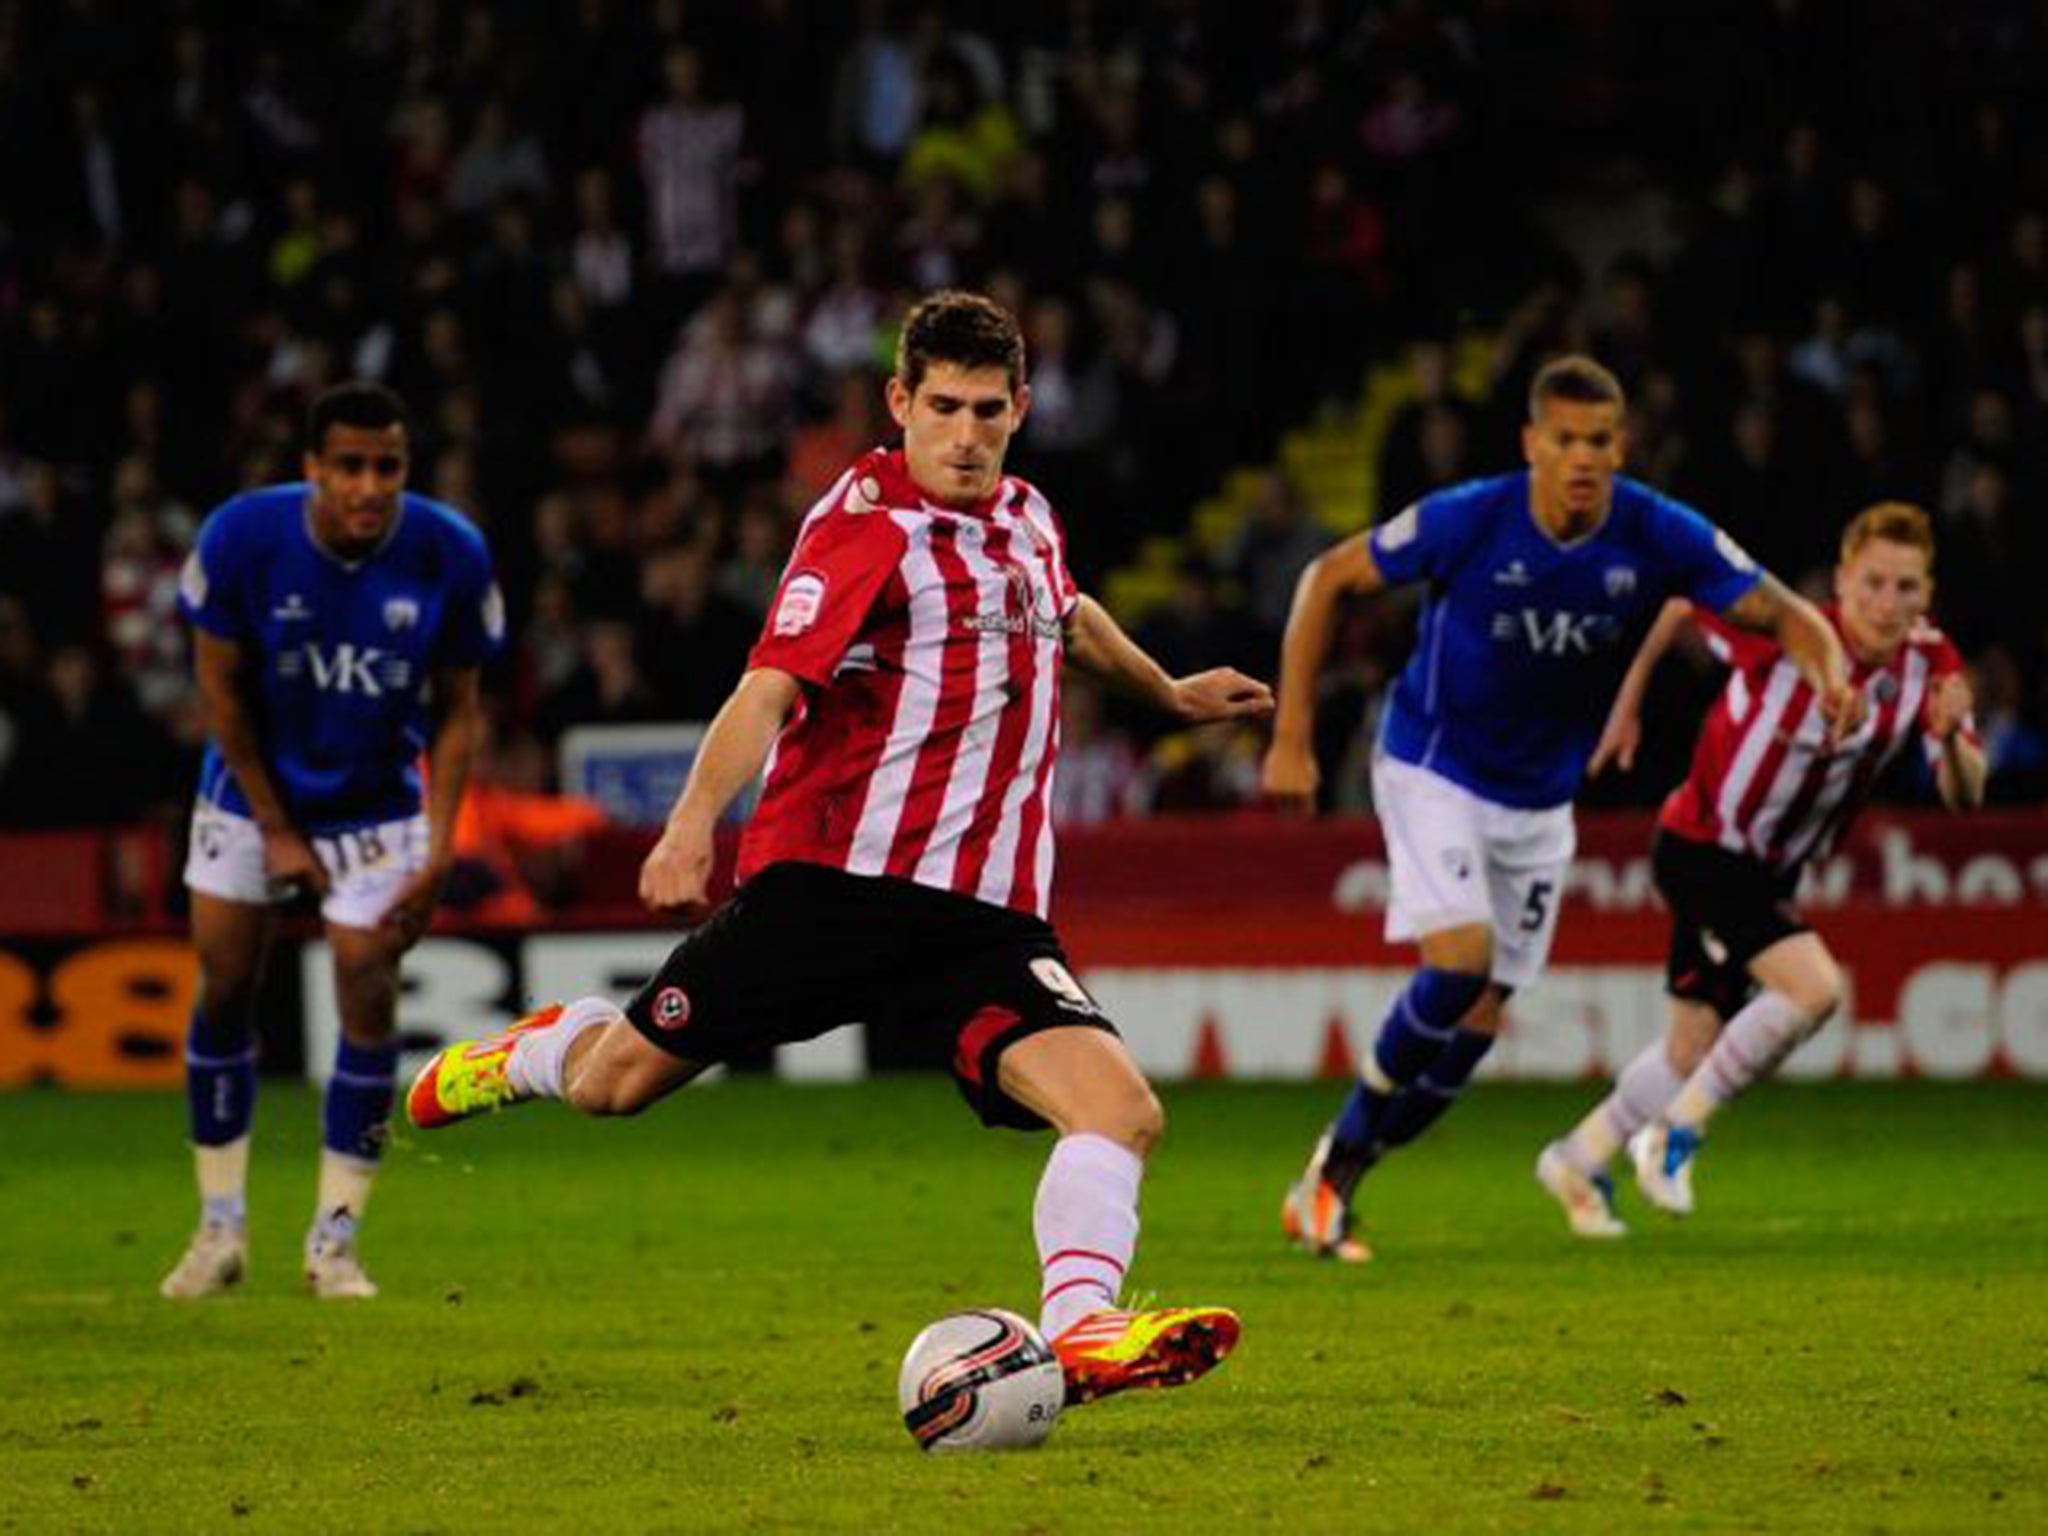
pixel 1706 565
pixel 838 569
pixel 209 586
pixel 1945 661
pixel 1425 541
pixel 473 630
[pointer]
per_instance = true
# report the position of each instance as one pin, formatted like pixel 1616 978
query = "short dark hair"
pixel 965 329
pixel 1576 378
pixel 355 403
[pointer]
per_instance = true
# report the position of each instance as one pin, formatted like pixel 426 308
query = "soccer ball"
pixel 980 1381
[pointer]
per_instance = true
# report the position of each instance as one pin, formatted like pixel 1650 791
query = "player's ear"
pixel 1020 406
pixel 1529 442
pixel 899 401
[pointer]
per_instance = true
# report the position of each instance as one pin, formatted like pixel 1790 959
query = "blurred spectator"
pixel 1102 774
pixel 1265 559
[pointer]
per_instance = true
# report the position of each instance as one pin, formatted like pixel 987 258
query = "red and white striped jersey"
pixel 930 638
pixel 1764 781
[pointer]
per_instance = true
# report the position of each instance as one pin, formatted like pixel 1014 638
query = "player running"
pixel 905 698
pixel 340 625
pixel 1770 791
pixel 1540 583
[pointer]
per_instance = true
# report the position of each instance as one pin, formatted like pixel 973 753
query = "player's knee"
pixel 1819 994
pixel 1133 1118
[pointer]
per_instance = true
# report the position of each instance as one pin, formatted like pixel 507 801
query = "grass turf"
pixel 692 1321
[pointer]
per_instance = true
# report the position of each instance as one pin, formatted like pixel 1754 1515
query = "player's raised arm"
pixel 678 870
pixel 1289 774
pixel 1097 644
pixel 1623 733
pixel 1809 641
pixel 218 668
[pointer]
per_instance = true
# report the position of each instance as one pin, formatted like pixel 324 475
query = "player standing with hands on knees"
pixel 1771 790
pixel 904 698
pixel 340 625
pixel 1540 584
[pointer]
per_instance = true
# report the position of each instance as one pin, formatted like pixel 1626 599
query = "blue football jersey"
pixel 341 653
pixel 1523 639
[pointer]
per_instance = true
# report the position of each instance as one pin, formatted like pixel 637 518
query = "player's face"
pixel 1575 448
pixel 956 428
pixel 1884 589
pixel 356 477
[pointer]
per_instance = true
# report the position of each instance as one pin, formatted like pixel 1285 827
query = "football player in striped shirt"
pixel 904 699
pixel 1770 791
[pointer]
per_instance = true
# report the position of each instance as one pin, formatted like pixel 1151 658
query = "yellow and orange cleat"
pixel 1116 1351
pixel 468 1078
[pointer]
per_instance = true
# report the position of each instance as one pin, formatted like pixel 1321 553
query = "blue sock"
pixel 220 1079
pixel 359 1098
pixel 1418 1106
pixel 1419 1027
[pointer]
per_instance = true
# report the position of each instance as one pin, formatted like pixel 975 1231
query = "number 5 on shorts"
pixel 1536 908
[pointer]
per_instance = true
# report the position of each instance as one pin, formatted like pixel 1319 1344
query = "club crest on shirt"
pixel 1621 580
pixel 797 610
pixel 1884 688
pixel 671 1008
pixel 864 495
pixel 401 613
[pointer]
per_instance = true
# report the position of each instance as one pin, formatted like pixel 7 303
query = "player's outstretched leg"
pixel 1085 1219
pixel 476 1077
pixel 1413 1073
pixel 1757 1040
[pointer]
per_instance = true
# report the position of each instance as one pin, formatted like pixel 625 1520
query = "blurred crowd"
pixel 636 267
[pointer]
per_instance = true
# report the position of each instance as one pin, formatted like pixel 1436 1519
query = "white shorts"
pixel 366 866
pixel 1456 859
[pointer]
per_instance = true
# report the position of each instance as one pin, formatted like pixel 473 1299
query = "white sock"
pixel 1086 1221
pixel 1641 1092
pixel 535 1067
pixel 345 1184
pixel 1768 1030
pixel 223 1183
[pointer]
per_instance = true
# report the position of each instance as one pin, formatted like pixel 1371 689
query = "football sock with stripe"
pixel 1422 1103
pixel 1418 1028
pixel 1643 1091
pixel 1752 1045
pixel 220 1093
pixel 1086 1223
pixel 538 1056
pixel 359 1094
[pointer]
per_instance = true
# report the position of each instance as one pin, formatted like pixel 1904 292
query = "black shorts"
pixel 1726 909
pixel 800 950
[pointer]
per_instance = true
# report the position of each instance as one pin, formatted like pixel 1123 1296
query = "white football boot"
pixel 214 1262
pixel 1588 1199
pixel 1663 1157
pixel 334 1271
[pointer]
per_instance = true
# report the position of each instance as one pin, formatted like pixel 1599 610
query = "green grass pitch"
pixel 691 1322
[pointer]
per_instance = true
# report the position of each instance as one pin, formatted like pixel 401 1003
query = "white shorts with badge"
pixel 1456 859
pixel 366 866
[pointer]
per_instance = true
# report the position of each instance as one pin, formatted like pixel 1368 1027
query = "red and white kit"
pixel 1764 781
pixel 931 638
